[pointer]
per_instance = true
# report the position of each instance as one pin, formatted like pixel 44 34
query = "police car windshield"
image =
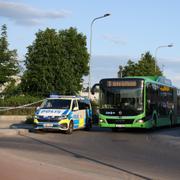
pixel 56 104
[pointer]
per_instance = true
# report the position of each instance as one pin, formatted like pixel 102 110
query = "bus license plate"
pixel 48 125
pixel 120 125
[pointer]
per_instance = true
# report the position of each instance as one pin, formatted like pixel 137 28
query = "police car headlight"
pixel 36 116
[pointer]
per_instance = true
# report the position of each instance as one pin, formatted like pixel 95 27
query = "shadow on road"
pixel 77 155
pixel 162 130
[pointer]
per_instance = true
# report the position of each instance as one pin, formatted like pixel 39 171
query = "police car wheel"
pixel 70 129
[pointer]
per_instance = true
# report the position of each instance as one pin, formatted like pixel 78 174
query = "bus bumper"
pixel 145 125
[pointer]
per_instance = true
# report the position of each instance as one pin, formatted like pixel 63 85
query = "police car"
pixel 64 113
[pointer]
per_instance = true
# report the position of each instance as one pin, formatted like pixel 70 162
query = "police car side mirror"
pixel 37 108
pixel 75 109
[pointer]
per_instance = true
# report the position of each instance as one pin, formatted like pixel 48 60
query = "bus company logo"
pixel 120 113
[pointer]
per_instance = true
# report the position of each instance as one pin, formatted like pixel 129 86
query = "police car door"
pixel 75 114
pixel 82 113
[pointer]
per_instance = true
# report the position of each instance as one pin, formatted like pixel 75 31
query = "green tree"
pixel 56 61
pixel 144 67
pixel 130 69
pixel 8 59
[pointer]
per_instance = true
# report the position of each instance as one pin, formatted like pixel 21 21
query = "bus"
pixel 138 102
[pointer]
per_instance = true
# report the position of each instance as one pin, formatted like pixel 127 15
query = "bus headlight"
pixel 100 120
pixel 141 121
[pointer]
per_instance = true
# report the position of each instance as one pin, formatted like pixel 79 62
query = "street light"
pixel 89 81
pixel 169 45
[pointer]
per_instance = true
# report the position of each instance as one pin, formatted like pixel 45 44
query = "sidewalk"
pixel 13 132
pixel 15 129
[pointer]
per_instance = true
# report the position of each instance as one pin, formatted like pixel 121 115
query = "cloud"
pixel 23 14
pixel 169 64
pixel 171 69
pixel 172 60
pixel 114 39
pixel 173 76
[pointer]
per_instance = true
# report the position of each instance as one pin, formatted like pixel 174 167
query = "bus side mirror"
pixel 93 88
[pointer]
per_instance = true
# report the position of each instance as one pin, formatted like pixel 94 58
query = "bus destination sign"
pixel 121 83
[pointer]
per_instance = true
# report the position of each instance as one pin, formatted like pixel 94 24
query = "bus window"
pixel 166 103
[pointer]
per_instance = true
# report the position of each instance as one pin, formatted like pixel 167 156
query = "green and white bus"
pixel 138 102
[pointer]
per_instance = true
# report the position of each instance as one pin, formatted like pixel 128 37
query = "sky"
pixel 133 28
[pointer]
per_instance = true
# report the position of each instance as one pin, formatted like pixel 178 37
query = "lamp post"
pixel 164 46
pixel 89 80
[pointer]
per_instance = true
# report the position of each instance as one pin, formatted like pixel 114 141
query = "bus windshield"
pixel 126 100
pixel 56 104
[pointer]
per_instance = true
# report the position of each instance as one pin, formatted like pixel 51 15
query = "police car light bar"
pixel 54 96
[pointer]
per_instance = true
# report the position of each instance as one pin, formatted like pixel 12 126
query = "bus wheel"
pixel 70 129
pixel 115 129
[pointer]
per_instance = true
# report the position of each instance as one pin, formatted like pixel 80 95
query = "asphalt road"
pixel 102 154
